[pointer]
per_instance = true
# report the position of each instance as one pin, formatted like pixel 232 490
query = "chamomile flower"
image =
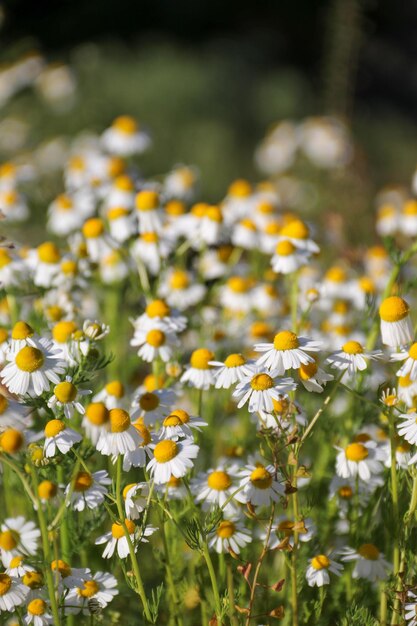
pixel 69 576
pixel 45 262
pixel 357 458
pixel 59 437
pixel 151 249
pixel 216 487
pixel 408 427
pixel 125 137
pixel 171 458
pixel 352 358
pixel 287 258
pixel 235 295
pixel 136 498
pixel 200 374
pixel 66 395
pixel 153 406
pixel 288 351
pixel 155 343
pixel 181 290
pixel 234 369
pixel 121 437
pixel 23 335
pixel 88 490
pixel 38 613
pixel 139 456
pixel 407 390
pixel 98 242
pixel 64 217
pixel 121 223
pixel 116 539
pixel 19 537
pixel 11 268
pixel 317 573
pixel 95 420
pixel 31 370
pixel 15 565
pixel 180 424
pixel 370 563
pixel 149 211
pixel 12 593
pixel 283 529
pixel 158 313
pixel 260 485
pixel 298 233
pixel 112 395
pixel 403 454
pixel 229 535
pixel 410 609
pixel 409 368
pixel 396 326
pixel 100 587
pixel 245 234
pixel 260 389
pixel 313 377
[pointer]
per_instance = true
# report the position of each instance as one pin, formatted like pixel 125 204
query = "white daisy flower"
pixel 69 576
pixel 13 414
pixel 260 389
pixel 287 258
pixel 179 423
pixel 33 369
pixel 23 335
pixel 112 395
pixel 121 437
pixel 136 498
pixel 101 587
pixel 352 358
pixel 407 390
pixel 116 539
pixel 403 454
pixel 216 486
pixel 370 563
pixel 139 456
pixel 298 233
pixel 200 374
pixel 95 420
pixel 396 326
pixel 15 565
pixel 125 137
pixel 121 223
pixel 236 294
pixel 284 528
pixel 229 535
pixel 409 368
pixel 19 537
pixel 154 343
pixel 158 313
pixel 361 459
pixel 45 262
pixel 344 490
pixel 59 437
pixel 151 249
pixel 234 369
pixel 408 427
pixel 286 352
pixel 37 613
pixel 65 396
pixel 171 458
pixel 260 485
pixel 149 211
pixel 180 289
pixel 313 377
pixel 153 406
pixel 88 490
pixel 99 243
pixel 317 573
pixel 245 234
pixel 12 593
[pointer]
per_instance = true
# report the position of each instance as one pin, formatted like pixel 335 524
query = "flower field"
pixel 207 410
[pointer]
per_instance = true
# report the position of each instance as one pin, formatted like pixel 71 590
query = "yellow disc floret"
pixel 179 280
pixel 356 452
pixel 165 451
pixel 393 309
pixel 261 478
pixel 261 382
pixel 22 330
pixel 65 392
pixel 8 540
pixel 118 531
pixel 285 248
pixel 157 308
pixel 93 228
pixel 286 340
pixel 63 331
pixel 200 359
pixel 11 440
pixel 47 490
pixel 29 359
pixel 54 427
pixel 149 401
pixel 48 253
pixel 235 360
pixel 83 481
pixel 307 370
pixel 352 347
pixel 119 420
pixel 5 584
pixel 147 200
pixel 155 338
pixel 89 590
pixel 369 551
pixel 97 413
pixel 320 561
pixel 37 606
pixel 226 529
pixel 219 480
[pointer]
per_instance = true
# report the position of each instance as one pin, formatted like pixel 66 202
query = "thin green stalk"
pixel 231 593
pixel 213 579
pixel 64 530
pixel 294 593
pixel 132 553
pixel 46 550
pixel 383 614
pixel 170 577
pixel 394 497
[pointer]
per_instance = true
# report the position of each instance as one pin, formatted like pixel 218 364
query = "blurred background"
pixel 209 78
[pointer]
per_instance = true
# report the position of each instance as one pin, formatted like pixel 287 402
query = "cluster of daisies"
pixel 235 332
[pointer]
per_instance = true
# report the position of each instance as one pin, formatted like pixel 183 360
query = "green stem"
pixel 213 580
pixel 132 553
pixel 394 497
pixel 231 593
pixel 383 616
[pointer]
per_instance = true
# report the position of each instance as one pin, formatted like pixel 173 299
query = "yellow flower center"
pixel 179 280
pixel 147 200
pixel 412 353
pixel 62 567
pixel 356 452
pixel 369 551
pixel 119 420
pixel 172 420
pixel 149 401
pixel 125 124
pixel 62 331
pixel 143 432
pixel 93 228
pixel 22 330
pixel 11 440
pixel 69 268
pixel 5 584
pixel 115 388
pixel 15 561
pixel 286 340
pixel 37 607
pixel 149 237
pixel 260 329
pixel 175 208
pixel 65 392
pixel 345 492
pixel 64 203
pixel 124 183
pixel 240 188
pixel 3 334
pixel 238 284
pixel 336 275
pixel 214 214
pixel 117 529
pixel 404 381
pixel 280 406
pixel 54 427
pixel 33 580
pixel 182 415
pixel 200 359
pixel 219 480
pixel 247 223
pixel 4 403
pixel 8 540
pixel 155 338
pixel 410 207
pixel 174 482
pixel 307 370
pixel 352 347
pixel 97 413
pixel 48 253
pixel 320 562
pixel 285 248
pixel 29 359
pixel 165 451
pixel 83 481
pixel 117 212
pixel 226 529
pixel 261 382
pixel 393 309
pixel 55 313
pixel 235 360
pixel 261 478
pixel 367 285
pixel 47 490
pixel 89 590
pixel 157 308
pixel 127 489
pixel 296 229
